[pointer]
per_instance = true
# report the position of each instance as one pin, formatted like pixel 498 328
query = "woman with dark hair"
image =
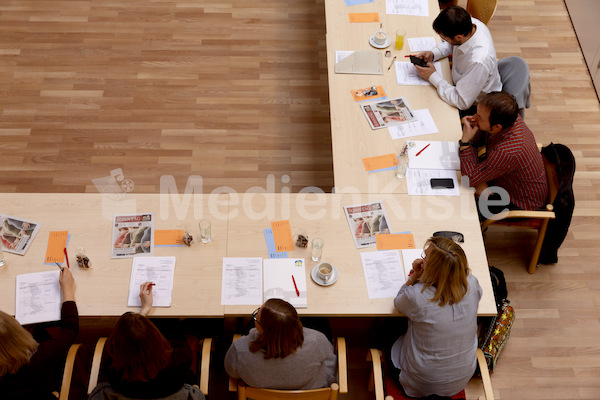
pixel 26 366
pixel 281 354
pixel 437 355
pixel 139 362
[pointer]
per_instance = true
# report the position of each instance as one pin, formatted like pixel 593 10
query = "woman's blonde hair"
pixel 16 345
pixel 446 270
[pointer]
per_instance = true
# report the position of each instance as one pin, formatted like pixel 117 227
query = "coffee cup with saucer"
pixel 380 40
pixel 324 274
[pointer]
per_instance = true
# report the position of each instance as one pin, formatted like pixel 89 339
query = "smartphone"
pixel 418 61
pixel 442 183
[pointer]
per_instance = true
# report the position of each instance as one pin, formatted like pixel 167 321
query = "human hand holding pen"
pixel 146 298
pixel 67 284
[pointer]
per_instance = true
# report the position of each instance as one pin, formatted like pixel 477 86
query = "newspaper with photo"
pixel 132 235
pixel 17 234
pixel 365 221
pixel 388 112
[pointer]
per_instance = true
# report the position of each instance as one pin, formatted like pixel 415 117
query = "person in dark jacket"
pixel 26 366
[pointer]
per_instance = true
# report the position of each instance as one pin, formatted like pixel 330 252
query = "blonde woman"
pixel 437 355
pixel 26 366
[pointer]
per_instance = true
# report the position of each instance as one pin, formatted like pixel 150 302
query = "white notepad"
pixel 278 282
pixel 433 155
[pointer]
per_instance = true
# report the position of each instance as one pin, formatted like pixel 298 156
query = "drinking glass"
pixel 317 249
pixel 204 226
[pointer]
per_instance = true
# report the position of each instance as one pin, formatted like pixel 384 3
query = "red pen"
pixel 420 151
pixel 295 287
pixel 67 258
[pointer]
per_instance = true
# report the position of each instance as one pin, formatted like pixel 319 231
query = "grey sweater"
pixel 312 366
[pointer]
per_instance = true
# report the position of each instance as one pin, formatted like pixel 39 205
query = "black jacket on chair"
pixel 564 203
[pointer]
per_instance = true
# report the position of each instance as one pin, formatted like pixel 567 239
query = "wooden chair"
pixel 330 393
pixel 483 10
pixel 67 373
pixel 205 346
pixel 531 219
pixel 376 379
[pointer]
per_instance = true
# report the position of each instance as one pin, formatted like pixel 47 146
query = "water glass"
pixel 317 249
pixel 204 226
pixel 402 165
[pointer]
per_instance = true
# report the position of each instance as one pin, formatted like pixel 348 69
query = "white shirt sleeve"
pixel 464 94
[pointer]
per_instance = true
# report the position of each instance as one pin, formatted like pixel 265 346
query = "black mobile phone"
pixel 442 183
pixel 418 61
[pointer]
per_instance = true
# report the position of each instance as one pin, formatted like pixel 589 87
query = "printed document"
pixel 418 182
pixel 407 7
pixel 384 273
pixel 421 43
pixel 424 125
pixel 158 270
pixel 407 74
pixel 281 277
pixel 38 297
pixel 242 281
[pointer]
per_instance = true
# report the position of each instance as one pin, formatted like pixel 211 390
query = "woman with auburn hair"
pixel 138 361
pixel 437 355
pixel 280 353
pixel 26 366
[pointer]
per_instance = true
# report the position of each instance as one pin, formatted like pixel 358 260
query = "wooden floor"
pixel 235 91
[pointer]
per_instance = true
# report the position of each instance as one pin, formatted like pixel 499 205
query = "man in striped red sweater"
pixel 497 150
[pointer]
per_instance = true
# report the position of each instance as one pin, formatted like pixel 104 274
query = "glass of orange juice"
pixel 400 34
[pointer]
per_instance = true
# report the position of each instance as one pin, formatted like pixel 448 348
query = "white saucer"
pixel 388 41
pixel 319 281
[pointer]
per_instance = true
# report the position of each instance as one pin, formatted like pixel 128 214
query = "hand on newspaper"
pixel 146 297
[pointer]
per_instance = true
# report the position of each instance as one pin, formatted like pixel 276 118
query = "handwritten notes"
pixel 363 17
pixel 395 241
pixel 171 237
pixel 57 242
pixel 282 233
pixel 380 163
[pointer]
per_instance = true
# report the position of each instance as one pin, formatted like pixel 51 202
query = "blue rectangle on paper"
pixel 271 249
pixel 357 2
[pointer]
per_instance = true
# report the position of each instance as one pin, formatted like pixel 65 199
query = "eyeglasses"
pixel 254 314
pixel 423 255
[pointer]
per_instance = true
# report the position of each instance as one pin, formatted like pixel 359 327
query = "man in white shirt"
pixel 474 64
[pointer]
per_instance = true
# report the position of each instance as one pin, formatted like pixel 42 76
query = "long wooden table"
pixel 352 137
pixel 238 222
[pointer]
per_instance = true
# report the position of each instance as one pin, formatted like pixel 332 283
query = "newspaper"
pixel 389 112
pixel 365 221
pixel 16 234
pixel 133 234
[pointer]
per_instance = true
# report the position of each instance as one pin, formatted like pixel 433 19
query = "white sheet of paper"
pixel 158 270
pixel 242 281
pixel 341 54
pixel 384 273
pixel 38 297
pixel 438 155
pixel 278 283
pixel 421 43
pixel 407 7
pixel 407 74
pixel 408 256
pixel 417 182
pixel 424 125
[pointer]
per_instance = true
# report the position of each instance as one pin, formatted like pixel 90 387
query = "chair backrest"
pixel 483 10
pixel 514 75
pixel 245 392
pixel 552 178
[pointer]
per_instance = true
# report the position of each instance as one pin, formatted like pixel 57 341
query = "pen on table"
pixel 295 287
pixel 420 151
pixel 58 265
pixel 393 59
pixel 67 257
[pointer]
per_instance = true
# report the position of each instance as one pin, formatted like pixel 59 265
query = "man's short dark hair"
pixel 503 108
pixel 453 21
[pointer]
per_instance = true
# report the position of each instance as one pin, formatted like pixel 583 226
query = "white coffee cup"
pixel 325 271
pixel 379 38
